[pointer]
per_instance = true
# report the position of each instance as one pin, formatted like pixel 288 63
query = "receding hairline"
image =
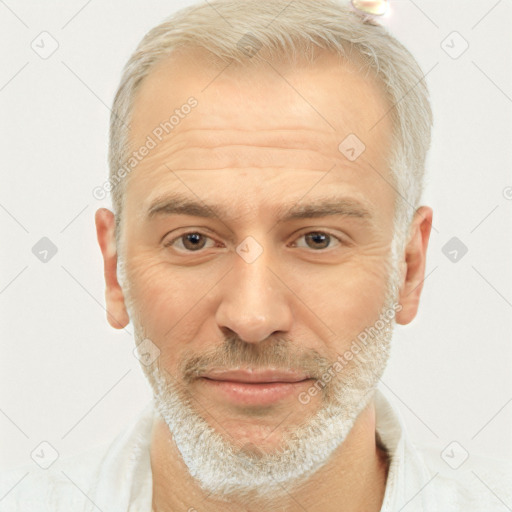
pixel 293 29
pixel 203 58
pixel 199 55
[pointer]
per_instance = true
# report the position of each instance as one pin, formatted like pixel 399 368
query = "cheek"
pixel 157 297
pixel 347 297
pixel 366 295
pixel 169 301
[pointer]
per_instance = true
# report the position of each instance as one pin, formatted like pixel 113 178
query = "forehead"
pixel 271 123
pixel 329 95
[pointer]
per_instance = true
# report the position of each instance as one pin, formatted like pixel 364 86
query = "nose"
pixel 254 301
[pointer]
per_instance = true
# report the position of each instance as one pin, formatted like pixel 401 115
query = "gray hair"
pixel 285 29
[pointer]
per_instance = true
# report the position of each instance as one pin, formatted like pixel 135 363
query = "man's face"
pixel 255 286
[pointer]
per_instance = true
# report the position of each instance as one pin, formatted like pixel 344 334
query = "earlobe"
pixel 117 314
pixel 415 258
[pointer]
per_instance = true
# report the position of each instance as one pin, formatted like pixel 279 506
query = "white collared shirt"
pixel 116 477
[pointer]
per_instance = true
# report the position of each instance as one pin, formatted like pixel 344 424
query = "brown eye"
pixel 193 241
pixel 190 242
pixel 318 240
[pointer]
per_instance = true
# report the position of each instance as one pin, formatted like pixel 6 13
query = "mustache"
pixel 275 352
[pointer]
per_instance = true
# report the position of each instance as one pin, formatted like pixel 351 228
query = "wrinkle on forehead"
pixel 328 96
pixel 259 119
pixel 203 149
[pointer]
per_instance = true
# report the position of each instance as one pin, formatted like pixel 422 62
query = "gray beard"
pixel 225 470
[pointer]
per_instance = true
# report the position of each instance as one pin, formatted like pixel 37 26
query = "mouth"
pixel 260 376
pixel 255 387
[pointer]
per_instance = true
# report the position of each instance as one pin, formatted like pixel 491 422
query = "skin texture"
pixel 260 140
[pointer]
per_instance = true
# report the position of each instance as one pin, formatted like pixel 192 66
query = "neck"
pixel 353 479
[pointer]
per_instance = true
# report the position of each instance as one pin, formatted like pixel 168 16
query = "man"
pixel 266 174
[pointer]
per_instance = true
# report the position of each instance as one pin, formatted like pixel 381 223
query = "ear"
pixel 414 265
pixel 117 314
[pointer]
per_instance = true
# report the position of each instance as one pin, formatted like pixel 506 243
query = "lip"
pixel 265 375
pixel 254 388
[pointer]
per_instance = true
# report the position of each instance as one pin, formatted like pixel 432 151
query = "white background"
pixel 66 377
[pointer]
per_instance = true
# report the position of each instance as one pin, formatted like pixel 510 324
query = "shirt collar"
pixel 408 473
pixel 127 468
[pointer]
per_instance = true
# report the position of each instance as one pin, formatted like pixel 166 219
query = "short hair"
pixel 284 30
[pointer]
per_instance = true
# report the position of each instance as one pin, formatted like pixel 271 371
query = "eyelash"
pixel 180 237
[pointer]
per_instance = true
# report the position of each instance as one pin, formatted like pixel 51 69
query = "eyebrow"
pixel 177 204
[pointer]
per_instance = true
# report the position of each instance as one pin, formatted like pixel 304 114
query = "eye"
pixel 194 241
pixel 318 240
pixel 190 242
